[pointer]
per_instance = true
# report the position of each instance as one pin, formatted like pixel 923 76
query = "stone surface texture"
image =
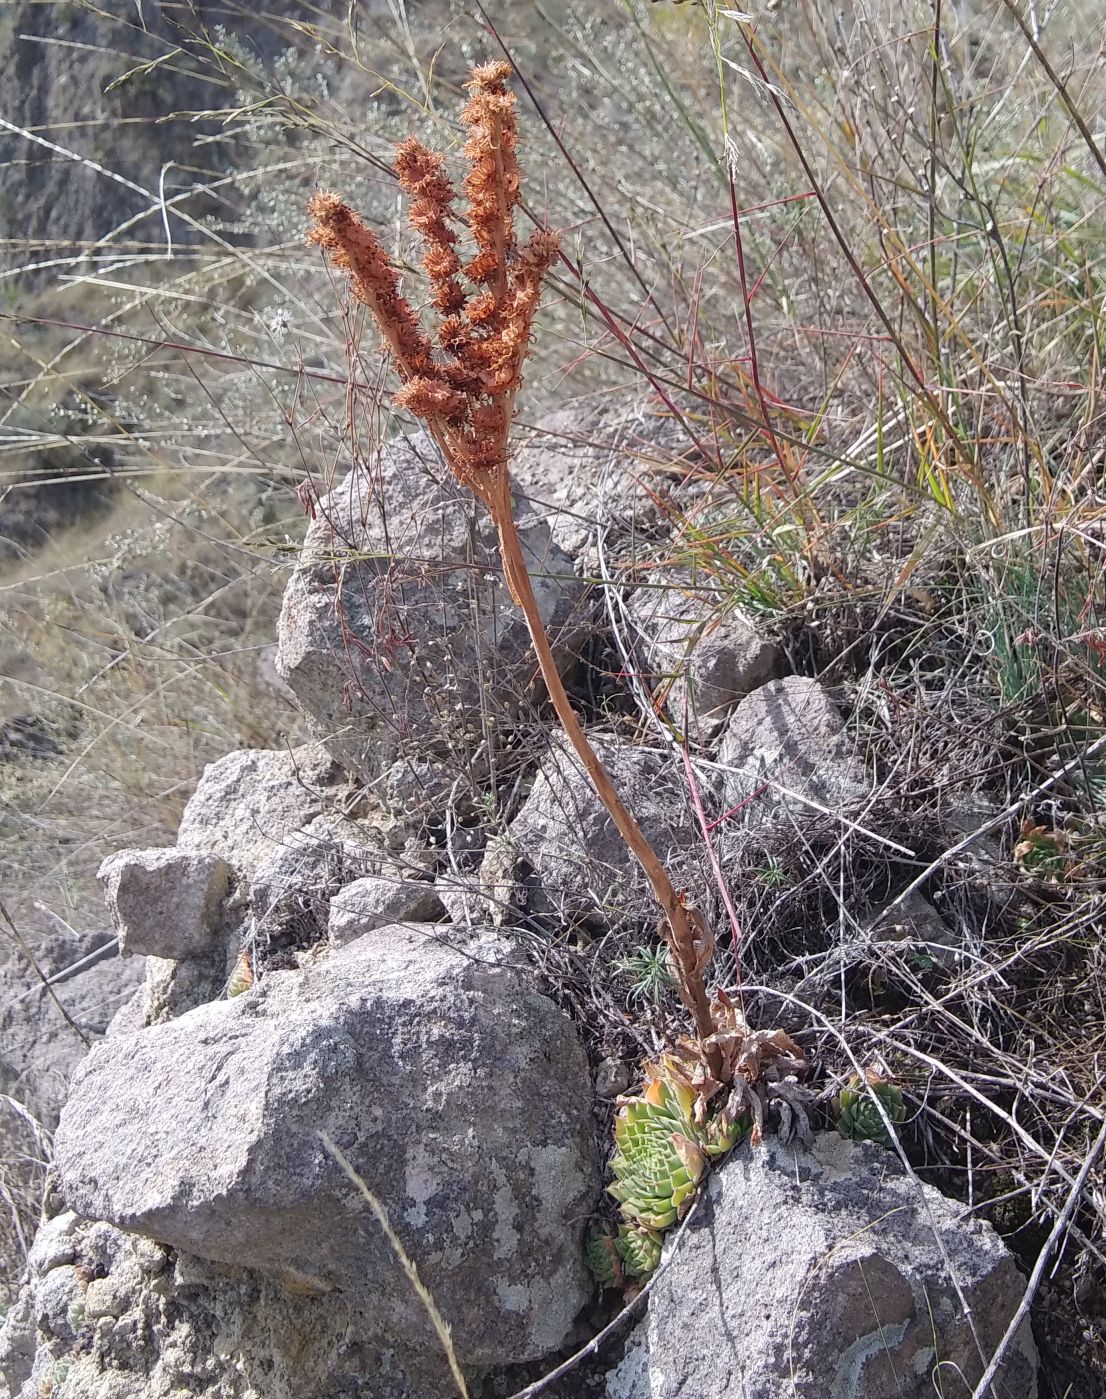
pixel 108 1315
pixel 291 890
pixel 827 1274
pixel 460 1095
pixel 601 471
pixel 789 738
pixel 566 835
pixel 699 657
pixel 377 901
pixel 246 804
pixel 165 903
pixel 398 634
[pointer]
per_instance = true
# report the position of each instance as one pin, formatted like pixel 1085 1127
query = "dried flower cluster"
pixel 463 383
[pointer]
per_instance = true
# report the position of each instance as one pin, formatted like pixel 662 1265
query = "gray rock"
pixel 700 656
pixel 398 634
pixel 44 1033
pixel 55 1303
pixel 916 920
pixel 463 898
pixel 130 1016
pixel 39 1045
pixel 612 1078
pixel 165 903
pixel 54 1244
pixel 489 895
pixel 173 988
pixel 298 877
pixel 459 1094
pixel 147 1327
pixel 375 902
pixel 290 893
pixel 566 835
pixel 246 804
pixel 788 737
pixel 823 1273
pixel 20 1347
pixel 630 1377
pixel 602 469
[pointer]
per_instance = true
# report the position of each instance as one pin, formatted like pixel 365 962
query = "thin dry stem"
pixel 686 943
pixel 406 1262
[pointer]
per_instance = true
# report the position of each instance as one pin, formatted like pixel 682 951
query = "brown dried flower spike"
pixel 464 389
pixel 463 385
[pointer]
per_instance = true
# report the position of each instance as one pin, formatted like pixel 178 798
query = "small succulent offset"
pixel 661 1155
pixel 858 1117
pixel 604 1258
pixel 623 1257
pixel 640 1249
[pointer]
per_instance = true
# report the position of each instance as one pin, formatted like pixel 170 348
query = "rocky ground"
pixel 325 977
pixel 347 963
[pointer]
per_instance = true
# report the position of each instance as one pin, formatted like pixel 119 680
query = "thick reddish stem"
pixel 678 924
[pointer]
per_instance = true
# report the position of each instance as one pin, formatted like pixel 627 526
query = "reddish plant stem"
pixel 736 933
pixel 679 933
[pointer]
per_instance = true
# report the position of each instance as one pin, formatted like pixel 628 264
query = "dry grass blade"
pixel 407 1263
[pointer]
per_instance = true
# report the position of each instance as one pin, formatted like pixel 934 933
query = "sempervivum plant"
pixel 604 1256
pixel 656 1169
pixel 640 1249
pixel 661 1155
pixel 858 1116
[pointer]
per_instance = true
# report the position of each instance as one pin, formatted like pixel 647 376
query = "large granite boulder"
pixel 828 1274
pixel 398 634
pixel 458 1093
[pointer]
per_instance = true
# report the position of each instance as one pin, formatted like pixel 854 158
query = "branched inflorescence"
pixel 462 384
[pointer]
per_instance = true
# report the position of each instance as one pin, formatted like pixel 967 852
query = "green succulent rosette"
pixel 656 1170
pixel 661 1154
pixel 604 1256
pixel 640 1250
pixel 858 1117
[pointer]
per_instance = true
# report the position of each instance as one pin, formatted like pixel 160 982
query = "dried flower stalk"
pixel 463 385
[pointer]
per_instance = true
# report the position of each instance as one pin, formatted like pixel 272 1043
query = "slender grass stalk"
pixel 406 1262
